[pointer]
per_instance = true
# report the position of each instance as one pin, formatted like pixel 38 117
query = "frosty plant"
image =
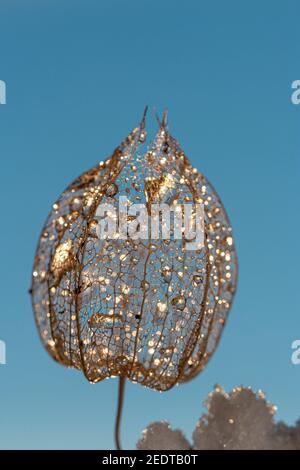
pixel 239 420
pixel 147 309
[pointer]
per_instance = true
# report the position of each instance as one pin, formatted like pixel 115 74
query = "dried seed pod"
pixel 147 308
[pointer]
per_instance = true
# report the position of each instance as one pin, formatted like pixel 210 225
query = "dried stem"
pixel 121 391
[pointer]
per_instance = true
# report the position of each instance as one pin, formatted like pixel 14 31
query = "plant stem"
pixel 121 391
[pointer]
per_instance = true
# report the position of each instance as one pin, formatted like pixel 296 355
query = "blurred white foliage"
pixel 241 419
pixel 160 436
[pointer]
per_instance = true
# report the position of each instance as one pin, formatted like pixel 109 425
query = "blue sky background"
pixel 78 75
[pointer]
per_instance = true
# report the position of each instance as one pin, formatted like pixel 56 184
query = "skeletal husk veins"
pixel 147 309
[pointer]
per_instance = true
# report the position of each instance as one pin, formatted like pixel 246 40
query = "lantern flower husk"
pixel 148 310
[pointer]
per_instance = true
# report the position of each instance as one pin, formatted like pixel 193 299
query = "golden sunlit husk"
pixel 148 310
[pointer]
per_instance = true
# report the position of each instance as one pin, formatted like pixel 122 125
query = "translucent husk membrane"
pixel 148 310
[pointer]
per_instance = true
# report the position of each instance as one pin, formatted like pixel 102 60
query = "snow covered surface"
pixel 241 419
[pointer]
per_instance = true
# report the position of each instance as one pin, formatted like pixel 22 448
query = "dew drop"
pixel 179 302
pixel 111 190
